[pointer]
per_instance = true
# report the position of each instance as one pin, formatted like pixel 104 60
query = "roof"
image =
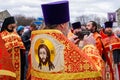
pixel 3 15
pixel 118 10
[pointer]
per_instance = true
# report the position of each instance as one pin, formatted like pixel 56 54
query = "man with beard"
pixel 44 57
pixel 92 27
pixel 13 44
pixel 111 45
pixel 75 28
pixel 77 31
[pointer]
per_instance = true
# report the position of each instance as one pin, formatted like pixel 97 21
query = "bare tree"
pixel 93 17
pixel 22 20
pixel 83 19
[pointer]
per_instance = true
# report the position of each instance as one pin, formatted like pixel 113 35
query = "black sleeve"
pixel 116 55
pixel 26 40
pixel 103 57
pixel 25 37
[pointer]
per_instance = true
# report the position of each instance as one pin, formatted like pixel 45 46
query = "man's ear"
pixel 62 25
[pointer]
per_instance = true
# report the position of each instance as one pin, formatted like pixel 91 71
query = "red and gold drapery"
pixel 110 43
pixel 6 67
pixel 13 44
pixel 77 65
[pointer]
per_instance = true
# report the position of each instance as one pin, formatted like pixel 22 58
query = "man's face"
pixel 108 31
pixel 77 30
pixel 43 54
pixel 21 32
pixel 11 27
pixel 89 26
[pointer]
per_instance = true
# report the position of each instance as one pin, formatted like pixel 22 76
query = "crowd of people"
pixel 60 50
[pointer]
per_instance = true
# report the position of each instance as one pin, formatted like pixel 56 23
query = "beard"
pixel 10 30
pixel 44 61
pixel 91 30
pixel 109 33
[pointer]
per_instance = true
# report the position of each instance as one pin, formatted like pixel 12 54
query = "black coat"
pixel 26 39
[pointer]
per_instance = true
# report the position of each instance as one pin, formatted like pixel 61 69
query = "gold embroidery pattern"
pixel 93 53
pixel 79 66
pixel 12 40
pixel 113 41
pixel 13 43
pixel 67 76
pixel 74 58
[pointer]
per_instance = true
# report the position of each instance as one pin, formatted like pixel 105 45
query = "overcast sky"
pixel 32 8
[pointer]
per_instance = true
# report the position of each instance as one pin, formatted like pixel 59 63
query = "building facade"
pixel 118 16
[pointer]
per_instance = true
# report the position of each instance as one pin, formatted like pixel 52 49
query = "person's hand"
pixel 30 39
pixel 81 44
pixel 74 39
pixel 89 39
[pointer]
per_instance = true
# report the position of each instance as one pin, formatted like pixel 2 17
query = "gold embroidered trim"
pixel 45 31
pixel 65 76
pixel 8 73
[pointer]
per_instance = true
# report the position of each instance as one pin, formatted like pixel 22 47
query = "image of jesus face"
pixel 43 54
pixel 44 57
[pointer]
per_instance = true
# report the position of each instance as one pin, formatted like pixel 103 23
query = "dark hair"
pixel 33 24
pixel 94 24
pixel 50 64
